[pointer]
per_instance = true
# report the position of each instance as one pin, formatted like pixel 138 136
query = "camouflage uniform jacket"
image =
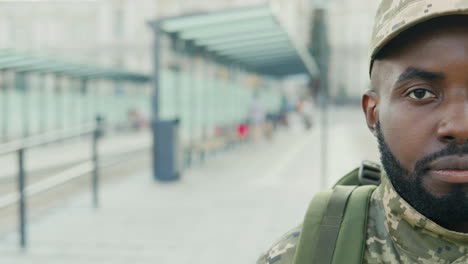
pixel 396 233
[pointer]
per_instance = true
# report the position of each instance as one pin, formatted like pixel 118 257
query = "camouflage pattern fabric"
pixel 396 233
pixel 283 250
pixel 395 16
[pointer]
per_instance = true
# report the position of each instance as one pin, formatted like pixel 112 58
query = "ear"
pixel 370 106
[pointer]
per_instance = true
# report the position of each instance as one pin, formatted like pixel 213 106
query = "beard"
pixel 444 210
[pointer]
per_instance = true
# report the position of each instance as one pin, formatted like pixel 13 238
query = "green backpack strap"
pixel 335 220
pixel 331 223
pixel 354 227
pixel 367 174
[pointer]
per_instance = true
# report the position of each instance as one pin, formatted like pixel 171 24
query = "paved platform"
pixel 227 210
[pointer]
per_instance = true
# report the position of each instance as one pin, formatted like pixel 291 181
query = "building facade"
pixel 350 27
pixel 114 32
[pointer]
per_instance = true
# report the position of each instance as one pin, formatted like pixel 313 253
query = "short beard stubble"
pixel 444 210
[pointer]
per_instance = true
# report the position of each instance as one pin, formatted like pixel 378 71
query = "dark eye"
pixel 420 94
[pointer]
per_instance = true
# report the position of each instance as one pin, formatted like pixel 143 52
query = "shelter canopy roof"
pixel 21 62
pixel 249 37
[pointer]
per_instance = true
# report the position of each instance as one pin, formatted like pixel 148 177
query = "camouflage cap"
pixel 396 16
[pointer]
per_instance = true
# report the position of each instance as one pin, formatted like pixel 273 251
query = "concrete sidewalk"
pixel 226 211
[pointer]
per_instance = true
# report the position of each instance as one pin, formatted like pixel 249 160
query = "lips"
pixel 451 169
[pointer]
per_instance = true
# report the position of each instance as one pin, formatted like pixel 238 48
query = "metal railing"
pixel 23 192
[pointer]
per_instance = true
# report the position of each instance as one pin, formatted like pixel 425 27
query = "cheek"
pixel 408 133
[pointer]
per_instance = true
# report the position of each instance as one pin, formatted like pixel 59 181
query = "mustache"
pixel 421 165
pixel 450 150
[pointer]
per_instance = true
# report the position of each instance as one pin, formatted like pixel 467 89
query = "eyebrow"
pixel 418 73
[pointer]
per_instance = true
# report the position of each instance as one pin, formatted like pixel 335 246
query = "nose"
pixel 453 128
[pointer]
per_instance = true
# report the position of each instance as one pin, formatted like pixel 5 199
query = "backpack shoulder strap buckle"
pixel 369 173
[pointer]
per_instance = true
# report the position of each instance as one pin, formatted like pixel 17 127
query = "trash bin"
pixel 166 150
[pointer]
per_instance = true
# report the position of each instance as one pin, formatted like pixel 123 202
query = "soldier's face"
pixel 419 112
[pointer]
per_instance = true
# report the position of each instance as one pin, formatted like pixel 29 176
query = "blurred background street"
pixel 225 211
pixel 157 131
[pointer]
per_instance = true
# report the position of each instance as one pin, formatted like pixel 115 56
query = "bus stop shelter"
pixel 252 39
pixel 21 66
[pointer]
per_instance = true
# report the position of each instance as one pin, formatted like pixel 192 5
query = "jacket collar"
pixel 412 231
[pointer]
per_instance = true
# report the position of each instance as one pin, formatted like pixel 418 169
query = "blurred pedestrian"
pixel 136 119
pixel 257 117
pixel 242 131
pixel 306 110
pixel 285 108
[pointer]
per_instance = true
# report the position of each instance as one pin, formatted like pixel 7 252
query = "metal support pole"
pixel 42 104
pixel 237 90
pixel 226 101
pixel 73 101
pixel 202 103
pixel 22 198
pixel 95 157
pixel 85 107
pixel 95 99
pixel 320 50
pixel 191 109
pixel 205 97
pixel 218 95
pixel 231 104
pixel 20 83
pixel 116 90
pixel 242 106
pixel 156 73
pixel 177 93
pixel 210 99
pixel 199 99
pixel 233 97
pixel 68 102
pixel 5 105
pixel 58 104
pixel 156 87
pixel 178 46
